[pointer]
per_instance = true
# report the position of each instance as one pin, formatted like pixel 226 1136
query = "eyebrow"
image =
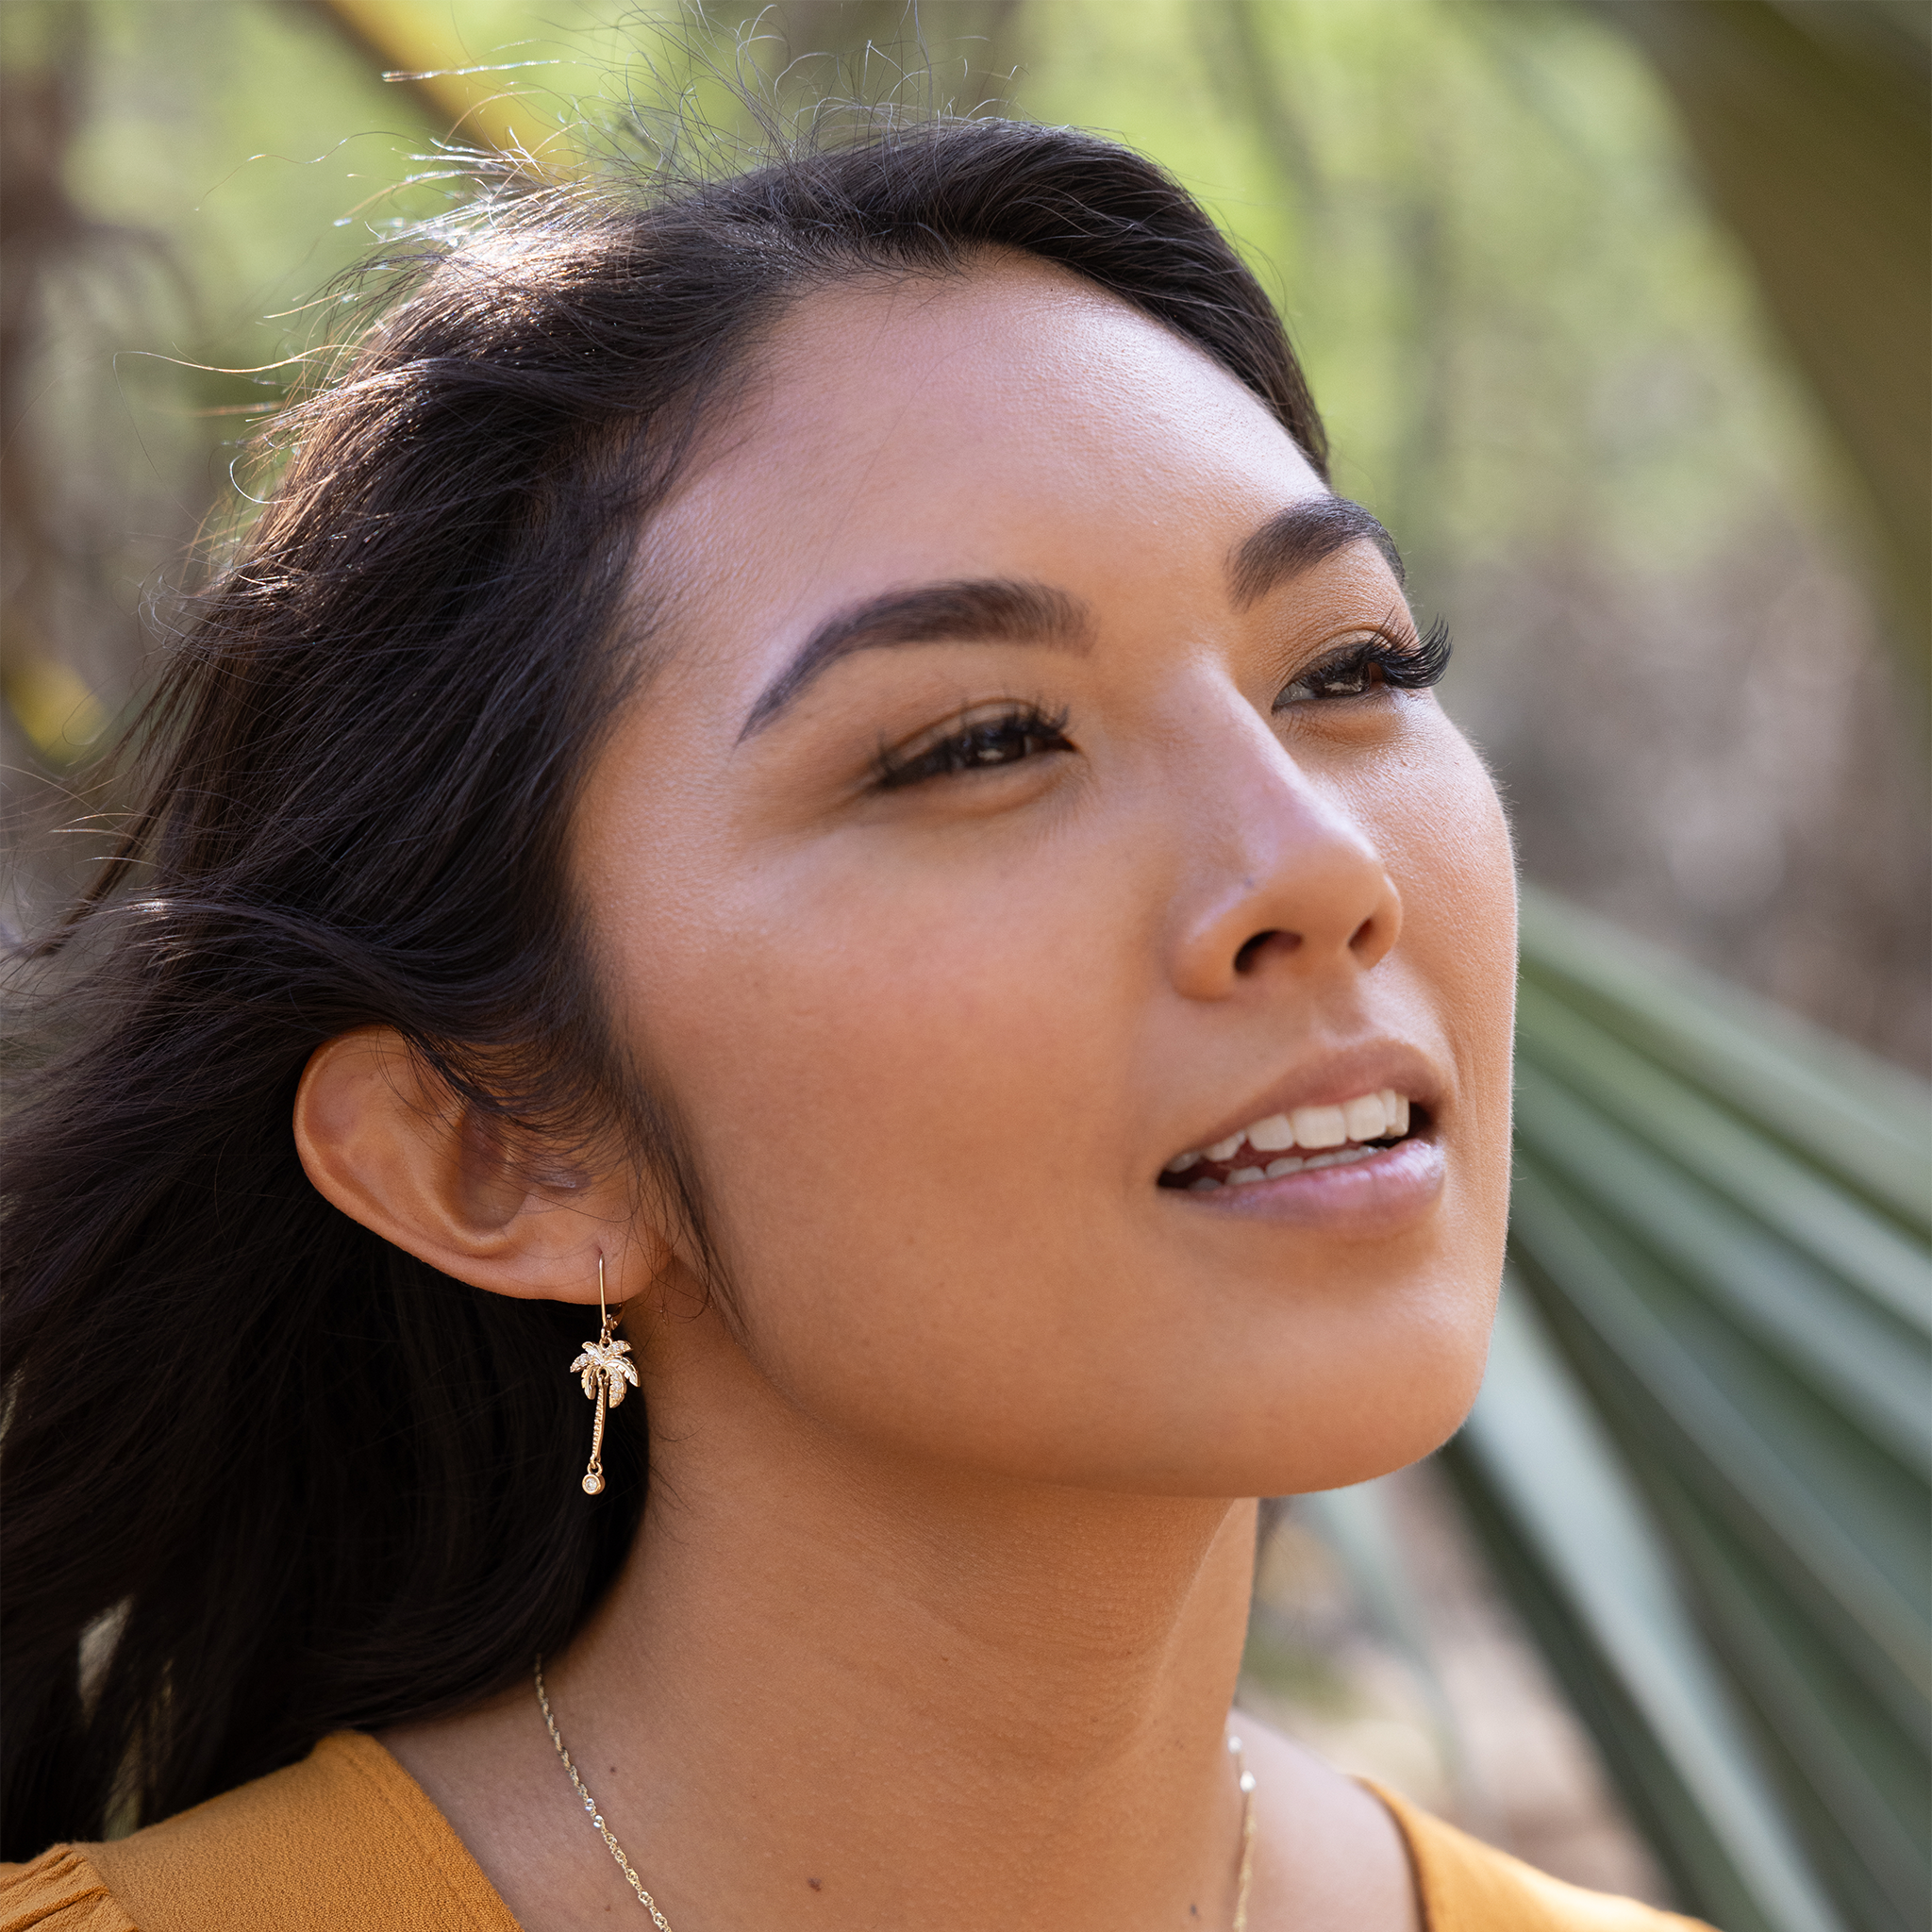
pixel 972 610
pixel 1299 537
pixel 998 609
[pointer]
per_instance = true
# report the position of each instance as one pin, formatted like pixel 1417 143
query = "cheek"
pixel 1447 845
pixel 1431 810
pixel 1469 917
pixel 895 1081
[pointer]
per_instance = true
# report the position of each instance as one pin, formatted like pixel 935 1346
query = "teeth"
pixel 1343 1157
pixel 1205 1185
pixel 1319 1126
pixel 1378 1116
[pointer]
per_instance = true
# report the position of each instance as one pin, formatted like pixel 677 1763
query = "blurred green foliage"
pixel 1703 1458
pixel 1812 120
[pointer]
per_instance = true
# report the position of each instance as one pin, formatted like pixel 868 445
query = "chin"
pixel 1339 1469
pixel 1348 1438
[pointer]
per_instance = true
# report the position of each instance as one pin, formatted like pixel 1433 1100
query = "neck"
pixel 835 1682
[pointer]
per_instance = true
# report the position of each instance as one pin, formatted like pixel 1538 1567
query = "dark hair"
pixel 268 1475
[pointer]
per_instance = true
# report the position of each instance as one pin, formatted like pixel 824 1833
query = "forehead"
pixel 1008 421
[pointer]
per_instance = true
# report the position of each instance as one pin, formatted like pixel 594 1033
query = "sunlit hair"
pixel 268 1476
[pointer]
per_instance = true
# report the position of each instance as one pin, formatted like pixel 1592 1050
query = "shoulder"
pixel 1330 1854
pixel 59 1891
pixel 346 1837
pixel 1465 1886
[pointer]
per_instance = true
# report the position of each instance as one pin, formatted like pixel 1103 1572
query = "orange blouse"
pixel 347 1840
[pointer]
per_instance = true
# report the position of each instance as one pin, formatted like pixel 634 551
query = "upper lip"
pixel 1329 1078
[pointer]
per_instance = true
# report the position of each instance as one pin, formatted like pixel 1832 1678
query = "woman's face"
pixel 1014 814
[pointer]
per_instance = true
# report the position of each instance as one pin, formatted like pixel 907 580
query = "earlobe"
pixel 383 1140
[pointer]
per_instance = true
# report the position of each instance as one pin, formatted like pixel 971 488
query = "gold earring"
pixel 604 1374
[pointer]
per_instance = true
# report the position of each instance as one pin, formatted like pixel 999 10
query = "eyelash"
pixel 1022 733
pixel 1027 730
pixel 1374 663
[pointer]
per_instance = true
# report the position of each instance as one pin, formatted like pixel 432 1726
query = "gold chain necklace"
pixel 1245 1776
pixel 637 1884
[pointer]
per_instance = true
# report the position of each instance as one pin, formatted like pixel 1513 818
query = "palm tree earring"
pixel 604 1374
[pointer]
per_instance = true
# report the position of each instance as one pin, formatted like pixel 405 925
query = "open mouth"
pixel 1298 1141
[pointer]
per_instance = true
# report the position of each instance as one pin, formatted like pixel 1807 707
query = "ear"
pixel 394 1148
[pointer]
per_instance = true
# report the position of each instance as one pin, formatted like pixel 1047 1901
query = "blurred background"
pixel 1618 313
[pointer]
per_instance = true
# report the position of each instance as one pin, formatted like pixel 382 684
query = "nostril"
pixel 1250 955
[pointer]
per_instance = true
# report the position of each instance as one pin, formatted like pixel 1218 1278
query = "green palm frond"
pixel 1702 1460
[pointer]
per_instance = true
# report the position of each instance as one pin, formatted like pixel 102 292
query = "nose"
pixel 1280 878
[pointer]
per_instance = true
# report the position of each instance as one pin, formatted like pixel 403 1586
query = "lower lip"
pixel 1389 1191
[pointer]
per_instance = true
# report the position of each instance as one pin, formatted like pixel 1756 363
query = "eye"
pixel 1024 732
pixel 1368 664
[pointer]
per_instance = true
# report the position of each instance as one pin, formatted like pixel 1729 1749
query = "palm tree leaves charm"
pixel 603 1360
pixel 605 1376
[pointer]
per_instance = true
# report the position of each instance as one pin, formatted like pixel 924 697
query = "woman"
pixel 811 764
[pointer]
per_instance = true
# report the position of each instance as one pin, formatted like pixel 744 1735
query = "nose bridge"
pixel 1277 873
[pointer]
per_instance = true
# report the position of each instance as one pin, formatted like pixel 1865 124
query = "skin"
pixel 940 1599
